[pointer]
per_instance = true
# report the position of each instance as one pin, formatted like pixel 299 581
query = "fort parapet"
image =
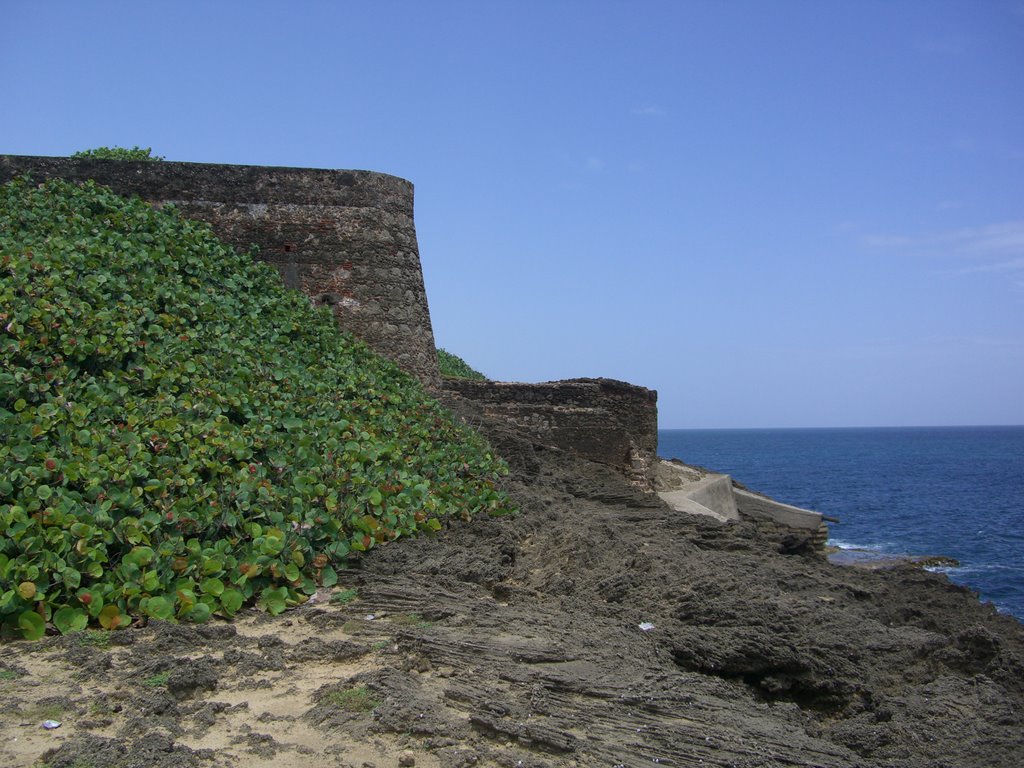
pixel 344 238
pixel 607 421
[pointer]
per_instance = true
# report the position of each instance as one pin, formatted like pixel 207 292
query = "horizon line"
pixel 866 426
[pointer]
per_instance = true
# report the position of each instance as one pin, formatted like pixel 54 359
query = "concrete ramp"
pixel 755 505
pixel 711 496
pixel 687 489
pixel 698 492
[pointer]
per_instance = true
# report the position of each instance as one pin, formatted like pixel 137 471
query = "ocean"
pixel 955 491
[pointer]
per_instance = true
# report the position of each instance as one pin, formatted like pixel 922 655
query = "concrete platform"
pixel 698 492
pixel 755 505
pixel 711 496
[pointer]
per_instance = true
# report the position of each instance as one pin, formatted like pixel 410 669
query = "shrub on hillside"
pixel 118 153
pixel 182 435
pixel 456 367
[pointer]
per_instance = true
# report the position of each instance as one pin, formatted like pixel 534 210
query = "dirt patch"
pixel 596 628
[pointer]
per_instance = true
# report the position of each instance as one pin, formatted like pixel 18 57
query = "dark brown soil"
pixel 518 642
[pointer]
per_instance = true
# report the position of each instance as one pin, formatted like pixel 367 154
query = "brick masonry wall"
pixel 345 238
pixel 607 421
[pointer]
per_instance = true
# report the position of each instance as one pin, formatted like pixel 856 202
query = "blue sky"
pixel 777 214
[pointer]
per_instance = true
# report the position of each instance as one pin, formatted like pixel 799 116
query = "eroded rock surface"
pixel 518 642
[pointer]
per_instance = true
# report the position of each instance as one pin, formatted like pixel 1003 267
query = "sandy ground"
pixel 518 642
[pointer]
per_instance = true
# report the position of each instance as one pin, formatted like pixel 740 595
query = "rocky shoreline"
pixel 596 628
pixel 872 560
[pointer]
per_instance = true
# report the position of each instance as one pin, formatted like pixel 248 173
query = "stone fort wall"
pixel 603 420
pixel 344 238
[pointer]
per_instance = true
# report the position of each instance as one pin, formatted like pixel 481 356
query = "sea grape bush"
pixel 183 436
pixel 456 367
pixel 119 153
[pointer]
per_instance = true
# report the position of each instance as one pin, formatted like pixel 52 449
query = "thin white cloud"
pixel 995 248
pixel 648 110
pixel 889 241
pixel 949 205
pixel 1005 238
pixel 982 341
pixel 1012 265
pixel 595 164
pixel 925 346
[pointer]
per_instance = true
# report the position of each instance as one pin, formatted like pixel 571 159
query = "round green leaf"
pixel 200 613
pixel 212 586
pixel 159 608
pixel 110 617
pixel 71 578
pixel 231 601
pixel 69 620
pixel 274 600
pixel 140 556
pixel 329 576
pixel 271 545
pixel 32 625
pixel 27 590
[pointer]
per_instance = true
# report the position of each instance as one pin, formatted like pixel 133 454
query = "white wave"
pixel 987 567
pixel 840 544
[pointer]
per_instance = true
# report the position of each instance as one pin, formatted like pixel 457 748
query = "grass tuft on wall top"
pixel 455 367
pixel 118 153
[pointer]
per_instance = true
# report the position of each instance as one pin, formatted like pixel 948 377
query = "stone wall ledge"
pixel 174 180
pixel 604 420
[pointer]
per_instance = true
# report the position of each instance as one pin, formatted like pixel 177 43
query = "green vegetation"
pixel 8 674
pixel 157 681
pixel 93 639
pixel 352 700
pixel 119 153
pixel 182 435
pixel 345 596
pixel 78 762
pixel 43 710
pixel 456 367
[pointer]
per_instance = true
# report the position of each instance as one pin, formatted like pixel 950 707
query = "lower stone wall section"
pixel 603 420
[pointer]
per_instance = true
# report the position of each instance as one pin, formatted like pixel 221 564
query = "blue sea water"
pixel 956 491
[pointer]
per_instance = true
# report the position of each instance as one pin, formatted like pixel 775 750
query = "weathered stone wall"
pixel 608 421
pixel 344 238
